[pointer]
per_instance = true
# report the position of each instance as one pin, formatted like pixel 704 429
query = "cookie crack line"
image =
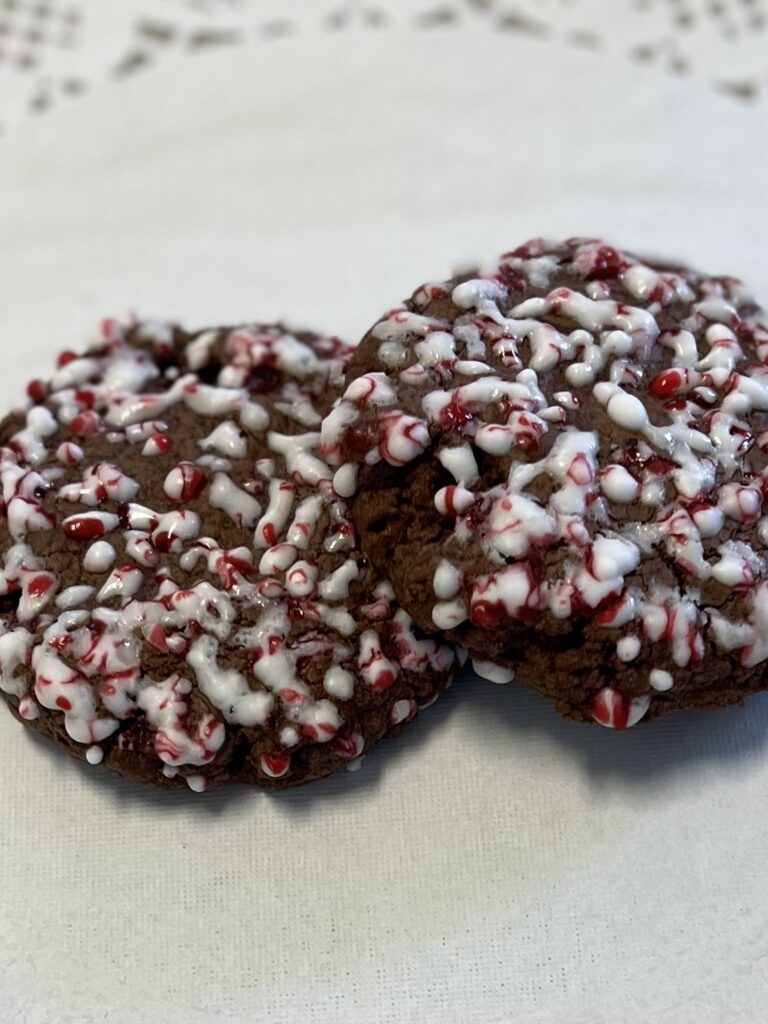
pixel 601 421
pixel 184 599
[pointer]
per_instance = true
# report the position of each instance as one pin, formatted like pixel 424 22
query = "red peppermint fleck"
pixel 667 383
pixel 63 703
pixel 210 733
pixel 156 638
pixel 611 708
pixel 317 733
pixel 428 293
pixel 65 357
pixel 166 749
pixel 274 644
pixel 659 466
pixel 238 564
pixel 230 570
pixel 527 443
pixel 455 414
pixel 37 390
pixel 162 442
pixel 558 297
pixel 347 529
pixel 349 745
pixel 110 328
pixel 453 500
pixel 289 696
pixel 127 673
pixel 276 765
pixel 610 610
pixel 40 585
pixel 607 266
pixel 163 349
pixel 383 680
pixel 85 397
pixel 87 424
pixel 700 505
pixel 616 710
pixel 70 454
pixel 185 483
pixel 84 528
pixel 487 614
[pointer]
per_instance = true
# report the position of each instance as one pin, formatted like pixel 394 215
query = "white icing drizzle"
pixel 281 498
pixel 15 651
pixel 493 673
pixel 449 614
pixel 661 680
pixel 335 587
pixel 74 597
pixel 99 557
pixel 100 483
pixel 460 463
pixel 628 648
pixel 227 439
pixel 227 689
pixel 447 581
pixel 241 507
pixel 339 683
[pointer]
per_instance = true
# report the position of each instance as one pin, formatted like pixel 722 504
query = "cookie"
pixel 183 597
pixel 578 444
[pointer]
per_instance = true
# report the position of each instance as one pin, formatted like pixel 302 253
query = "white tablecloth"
pixel 496 865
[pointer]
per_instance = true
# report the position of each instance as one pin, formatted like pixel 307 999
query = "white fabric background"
pixel 496 865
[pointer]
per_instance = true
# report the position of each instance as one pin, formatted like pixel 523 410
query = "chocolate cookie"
pixel 184 600
pixel 562 465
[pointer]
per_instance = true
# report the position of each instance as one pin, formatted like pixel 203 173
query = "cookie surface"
pixel 184 598
pixel 577 442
